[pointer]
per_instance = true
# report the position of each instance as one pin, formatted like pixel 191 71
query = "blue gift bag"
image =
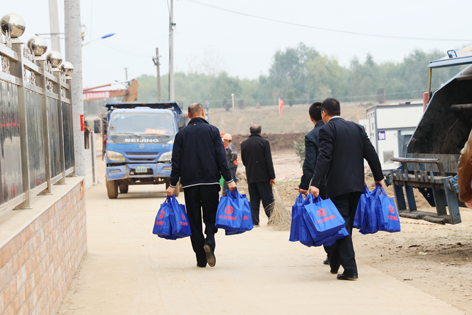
pixel 323 218
pixel 179 220
pixel 330 240
pixel 297 214
pixel 247 223
pixel 304 234
pixel 388 219
pixel 360 211
pixel 381 208
pixel 370 222
pixel 234 213
pixel 162 223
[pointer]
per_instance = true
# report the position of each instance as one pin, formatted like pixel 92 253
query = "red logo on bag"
pixel 321 212
pixel 331 217
pixel 392 211
pixel 161 215
pixel 229 210
pixel 228 217
pixel 183 217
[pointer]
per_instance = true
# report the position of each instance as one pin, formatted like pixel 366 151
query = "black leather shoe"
pixel 326 261
pixel 334 272
pixel 210 256
pixel 347 277
pixel 201 265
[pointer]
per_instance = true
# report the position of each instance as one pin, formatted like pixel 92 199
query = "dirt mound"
pixel 278 141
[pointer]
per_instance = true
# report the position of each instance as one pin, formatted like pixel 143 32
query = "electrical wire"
pixel 323 28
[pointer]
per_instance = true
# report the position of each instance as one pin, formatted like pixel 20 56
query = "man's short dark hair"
pixel 255 129
pixel 315 111
pixel 195 109
pixel 331 106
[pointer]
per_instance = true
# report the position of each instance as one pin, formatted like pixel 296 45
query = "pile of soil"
pixel 278 141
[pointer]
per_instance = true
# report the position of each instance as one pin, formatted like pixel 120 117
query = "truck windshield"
pixel 142 124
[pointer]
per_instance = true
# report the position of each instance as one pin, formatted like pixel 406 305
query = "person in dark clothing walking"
pixel 343 147
pixel 312 148
pixel 256 157
pixel 199 159
pixel 232 158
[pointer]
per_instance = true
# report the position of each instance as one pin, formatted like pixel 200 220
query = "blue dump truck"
pixel 139 141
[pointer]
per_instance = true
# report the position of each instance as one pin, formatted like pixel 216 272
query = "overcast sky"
pixel 245 45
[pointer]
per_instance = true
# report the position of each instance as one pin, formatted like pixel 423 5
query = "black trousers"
pixel 257 192
pixel 342 252
pixel 198 198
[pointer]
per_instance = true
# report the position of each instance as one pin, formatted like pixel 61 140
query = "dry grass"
pixel 280 218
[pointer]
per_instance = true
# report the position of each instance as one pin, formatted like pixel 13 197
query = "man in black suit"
pixel 343 147
pixel 312 148
pixel 199 159
pixel 256 156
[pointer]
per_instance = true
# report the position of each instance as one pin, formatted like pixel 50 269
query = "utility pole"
pixel 74 55
pixel 171 51
pixel 126 74
pixel 232 98
pixel 54 25
pixel 156 62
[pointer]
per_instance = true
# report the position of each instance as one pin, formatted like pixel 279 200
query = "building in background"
pixel 390 128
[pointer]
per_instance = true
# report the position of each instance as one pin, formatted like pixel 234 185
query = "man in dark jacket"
pixel 256 156
pixel 199 159
pixel 343 147
pixel 312 148
pixel 232 158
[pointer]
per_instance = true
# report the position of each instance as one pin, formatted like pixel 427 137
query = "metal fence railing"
pixel 36 141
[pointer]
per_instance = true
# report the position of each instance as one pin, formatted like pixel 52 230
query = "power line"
pixel 323 28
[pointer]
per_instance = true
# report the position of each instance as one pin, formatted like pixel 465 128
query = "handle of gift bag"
pixel 381 190
pixel 377 190
pixel 171 199
pixel 309 199
pixel 366 190
pixel 234 195
pixel 300 198
pixel 317 200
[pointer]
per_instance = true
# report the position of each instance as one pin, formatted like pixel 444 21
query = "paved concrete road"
pixel 128 270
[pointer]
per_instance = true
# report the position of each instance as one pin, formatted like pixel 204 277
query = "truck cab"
pixel 139 142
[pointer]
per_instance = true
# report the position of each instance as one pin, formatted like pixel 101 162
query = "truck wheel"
pixel 112 189
pixel 123 188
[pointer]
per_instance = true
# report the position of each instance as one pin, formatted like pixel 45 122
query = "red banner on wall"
pixel 82 122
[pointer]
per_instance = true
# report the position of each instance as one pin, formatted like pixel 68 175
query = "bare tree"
pixel 210 63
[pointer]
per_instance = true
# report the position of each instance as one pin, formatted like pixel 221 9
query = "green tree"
pixel 301 72
pixel 290 95
pixel 288 70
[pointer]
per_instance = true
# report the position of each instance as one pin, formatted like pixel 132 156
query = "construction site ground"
pixel 425 269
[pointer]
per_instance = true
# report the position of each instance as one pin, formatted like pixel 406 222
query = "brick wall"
pixel 38 264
